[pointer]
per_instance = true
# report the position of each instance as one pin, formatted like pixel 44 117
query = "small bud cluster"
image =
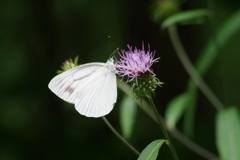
pixel 69 64
pixel 145 86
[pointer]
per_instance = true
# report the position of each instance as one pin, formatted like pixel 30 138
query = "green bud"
pixel 69 64
pixel 162 9
pixel 145 86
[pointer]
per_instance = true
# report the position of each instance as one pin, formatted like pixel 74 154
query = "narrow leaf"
pixel 209 53
pixel 151 151
pixel 223 34
pixel 184 17
pixel 128 110
pixel 189 116
pixel 228 133
pixel 177 107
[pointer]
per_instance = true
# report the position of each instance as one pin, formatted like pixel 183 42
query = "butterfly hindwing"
pixel 99 95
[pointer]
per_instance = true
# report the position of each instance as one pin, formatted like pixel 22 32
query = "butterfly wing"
pixel 91 87
pixel 98 96
pixel 64 85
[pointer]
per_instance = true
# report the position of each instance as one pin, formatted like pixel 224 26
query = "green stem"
pixel 165 133
pixel 176 133
pixel 182 55
pixel 120 137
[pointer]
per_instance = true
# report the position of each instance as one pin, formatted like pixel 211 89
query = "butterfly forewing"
pixel 64 84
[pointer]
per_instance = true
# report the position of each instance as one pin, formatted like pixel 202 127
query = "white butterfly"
pixel 92 87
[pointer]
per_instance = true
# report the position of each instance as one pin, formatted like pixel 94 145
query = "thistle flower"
pixel 136 65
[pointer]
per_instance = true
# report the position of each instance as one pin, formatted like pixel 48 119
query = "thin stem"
pixel 181 53
pixel 120 137
pixel 161 124
pixel 176 133
pixel 193 146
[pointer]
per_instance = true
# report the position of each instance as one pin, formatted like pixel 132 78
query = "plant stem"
pixel 176 133
pixel 182 55
pixel 161 124
pixel 120 137
pixel 193 146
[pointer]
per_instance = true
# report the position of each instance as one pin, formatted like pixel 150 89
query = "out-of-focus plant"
pixel 185 103
pixel 135 64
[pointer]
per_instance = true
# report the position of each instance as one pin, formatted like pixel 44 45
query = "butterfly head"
pixel 111 66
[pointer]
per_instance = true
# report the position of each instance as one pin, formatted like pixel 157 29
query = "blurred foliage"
pixel 163 9
pixel 37 36
pixel 227 133
pixel 127 112
pixel 188 17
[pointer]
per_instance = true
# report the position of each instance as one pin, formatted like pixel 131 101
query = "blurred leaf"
pixel 151 151
pixel 177 107
pixel 223 34
pixel 228 133
pixel 128 110
pixel 189 116
pixel 209 53
pixel 163 9
pixel 206 58
pixel 183 17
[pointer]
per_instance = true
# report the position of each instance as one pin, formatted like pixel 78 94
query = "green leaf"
pixel 228 133
pixel 209 53
pixel 189 116
pixel 177 107
pixel 223 34
pixel 76 61
pixel 151 151
pixel 184 17
pixel 128 110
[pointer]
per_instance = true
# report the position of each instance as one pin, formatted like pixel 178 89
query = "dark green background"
pixel 37 36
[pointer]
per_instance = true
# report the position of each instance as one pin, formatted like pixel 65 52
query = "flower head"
pixel 136 65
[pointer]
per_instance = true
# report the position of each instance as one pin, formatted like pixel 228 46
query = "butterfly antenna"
pixel 113 53
pixel 109 44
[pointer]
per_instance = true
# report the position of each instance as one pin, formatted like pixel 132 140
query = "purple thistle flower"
pixel 134 63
